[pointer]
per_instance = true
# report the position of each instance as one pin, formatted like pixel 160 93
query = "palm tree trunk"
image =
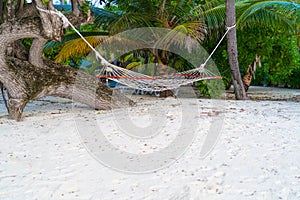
pixel 240 93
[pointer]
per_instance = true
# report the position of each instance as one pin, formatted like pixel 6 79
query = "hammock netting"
pixel 155 83
pixel 141 81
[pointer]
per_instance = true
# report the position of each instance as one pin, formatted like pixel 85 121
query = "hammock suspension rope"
pixel 141 81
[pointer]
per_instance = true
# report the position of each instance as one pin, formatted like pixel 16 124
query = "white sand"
pixel 257 155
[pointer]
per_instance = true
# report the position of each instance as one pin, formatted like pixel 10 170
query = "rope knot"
pixel 230 27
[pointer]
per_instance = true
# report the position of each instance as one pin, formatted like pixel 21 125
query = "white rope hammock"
pixel 141 81
pixel 156 83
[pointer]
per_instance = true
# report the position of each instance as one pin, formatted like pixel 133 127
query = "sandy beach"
pixel 227 150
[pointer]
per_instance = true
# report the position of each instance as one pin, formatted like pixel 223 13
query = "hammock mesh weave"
pixel 155 83
pixel 141 81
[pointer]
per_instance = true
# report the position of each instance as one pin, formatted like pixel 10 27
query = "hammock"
pixel 141 81
pixel 155 83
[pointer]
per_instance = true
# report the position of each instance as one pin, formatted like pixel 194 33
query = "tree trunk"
pixel 63 81
pixel 11 9
pixel 240 93
pixel 75 8
pixel 36 51
pixel 35 78
pixel 56 80
pixel 2 11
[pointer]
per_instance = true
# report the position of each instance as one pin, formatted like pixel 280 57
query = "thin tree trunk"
pixel 75 8
pixel 2 6
pixel 20 5
pixel 11 9
pixel 36 51
pixel 240 93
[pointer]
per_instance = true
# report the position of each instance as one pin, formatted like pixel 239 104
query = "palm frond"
pixel 74 36
pixel 133 65
pixel 278 13
pixel 283 14
pixel 186 35
pixel 129 20
pixel 78 47
pixel 209 5
pixel 138 6
pixel 179 8
pixel 269 18
pixel 215 19
pixel 117 22
pixel 105 17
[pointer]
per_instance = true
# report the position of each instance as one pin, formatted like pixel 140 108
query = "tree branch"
pixel 20 6
pixel 62 81
pixel 10 9
pixel 2 6
pixel 52 24
pixel 20 50
pixel 10 32
pixel 36 52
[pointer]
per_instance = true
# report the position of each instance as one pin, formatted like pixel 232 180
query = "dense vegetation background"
pixel 269 29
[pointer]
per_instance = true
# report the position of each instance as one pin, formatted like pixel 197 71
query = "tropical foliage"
pixel 174 15
pixel 268 28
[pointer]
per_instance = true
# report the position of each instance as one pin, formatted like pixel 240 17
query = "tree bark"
pixel 52 24
pixel 11 9
pixel 10 32
pixel 2 10
pixel 37 77
pixel 20 50
pixel 63 81
pixel 75 9
pixel 240 93
pixel 56 80
pixel 20 5
pixel 36 52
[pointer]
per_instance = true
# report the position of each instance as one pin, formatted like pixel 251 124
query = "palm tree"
pixel 285 15
pixel 249 13
pixel 174 15
pixel 180 16
pixel 240 92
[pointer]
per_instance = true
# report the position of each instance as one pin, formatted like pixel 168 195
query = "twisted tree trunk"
pixel 36 77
